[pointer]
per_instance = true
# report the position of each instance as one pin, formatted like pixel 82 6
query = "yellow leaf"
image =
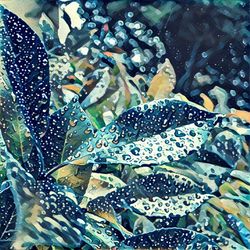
pixel 163 82
pixel 242 114
pixel 73 87
pixel 207 103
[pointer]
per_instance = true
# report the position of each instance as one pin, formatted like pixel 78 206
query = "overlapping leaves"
pixel 42 211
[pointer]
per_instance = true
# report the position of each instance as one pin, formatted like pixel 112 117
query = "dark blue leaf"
pixel 26 64
pixel 150 119
pixel 162 185
pixel 154 133
pixel 171 238
pixel 8 218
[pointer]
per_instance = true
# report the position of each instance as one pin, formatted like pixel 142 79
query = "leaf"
pixel 100 185
pixel 68 129
pixel 24 90
pixel 27 70
pixel 149 134
pixel 47 213
pixel 99 89
pixel 158 149
pixel 225 243
pixel 99 234
pixel 16 134
pixel 242 114
pixel 150 119
pixel 163 82
pixel 143 225
pixel 75 177
pixel 228 146
pixel 209 175
pixel 171 238
pixel 163 194
pixel 8 218
pixel 207 103
pixel 242 175
pixel 179 205
pixel 240 228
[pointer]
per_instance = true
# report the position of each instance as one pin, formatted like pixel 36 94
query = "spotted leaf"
pixel 25 64
pixel 151 119
pixel 154 133
pixel 99 234
pixel 171 238
pixel 159 149
pixel 47 213
pixel 8 218
pixel 159 195
pixel 69 127
pixel 178 205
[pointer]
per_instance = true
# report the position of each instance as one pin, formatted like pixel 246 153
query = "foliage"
pixel 100 157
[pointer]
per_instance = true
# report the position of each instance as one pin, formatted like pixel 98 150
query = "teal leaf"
pixel 155 195
pixel 239 227
pixel 178 205
pixel 159 149
pixel 154 133
pixel 69 127
pixel 151 119
pixel 99 234
pixel 47 213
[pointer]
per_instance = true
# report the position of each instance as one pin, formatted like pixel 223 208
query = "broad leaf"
pixel 24 90
pixel 171 238
pixel 12 123
pixel 69 128
pixel 210 175
pixel 151 119
pixel 154 133
pixel 163 194
pixel 179 205
pixel 159 149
